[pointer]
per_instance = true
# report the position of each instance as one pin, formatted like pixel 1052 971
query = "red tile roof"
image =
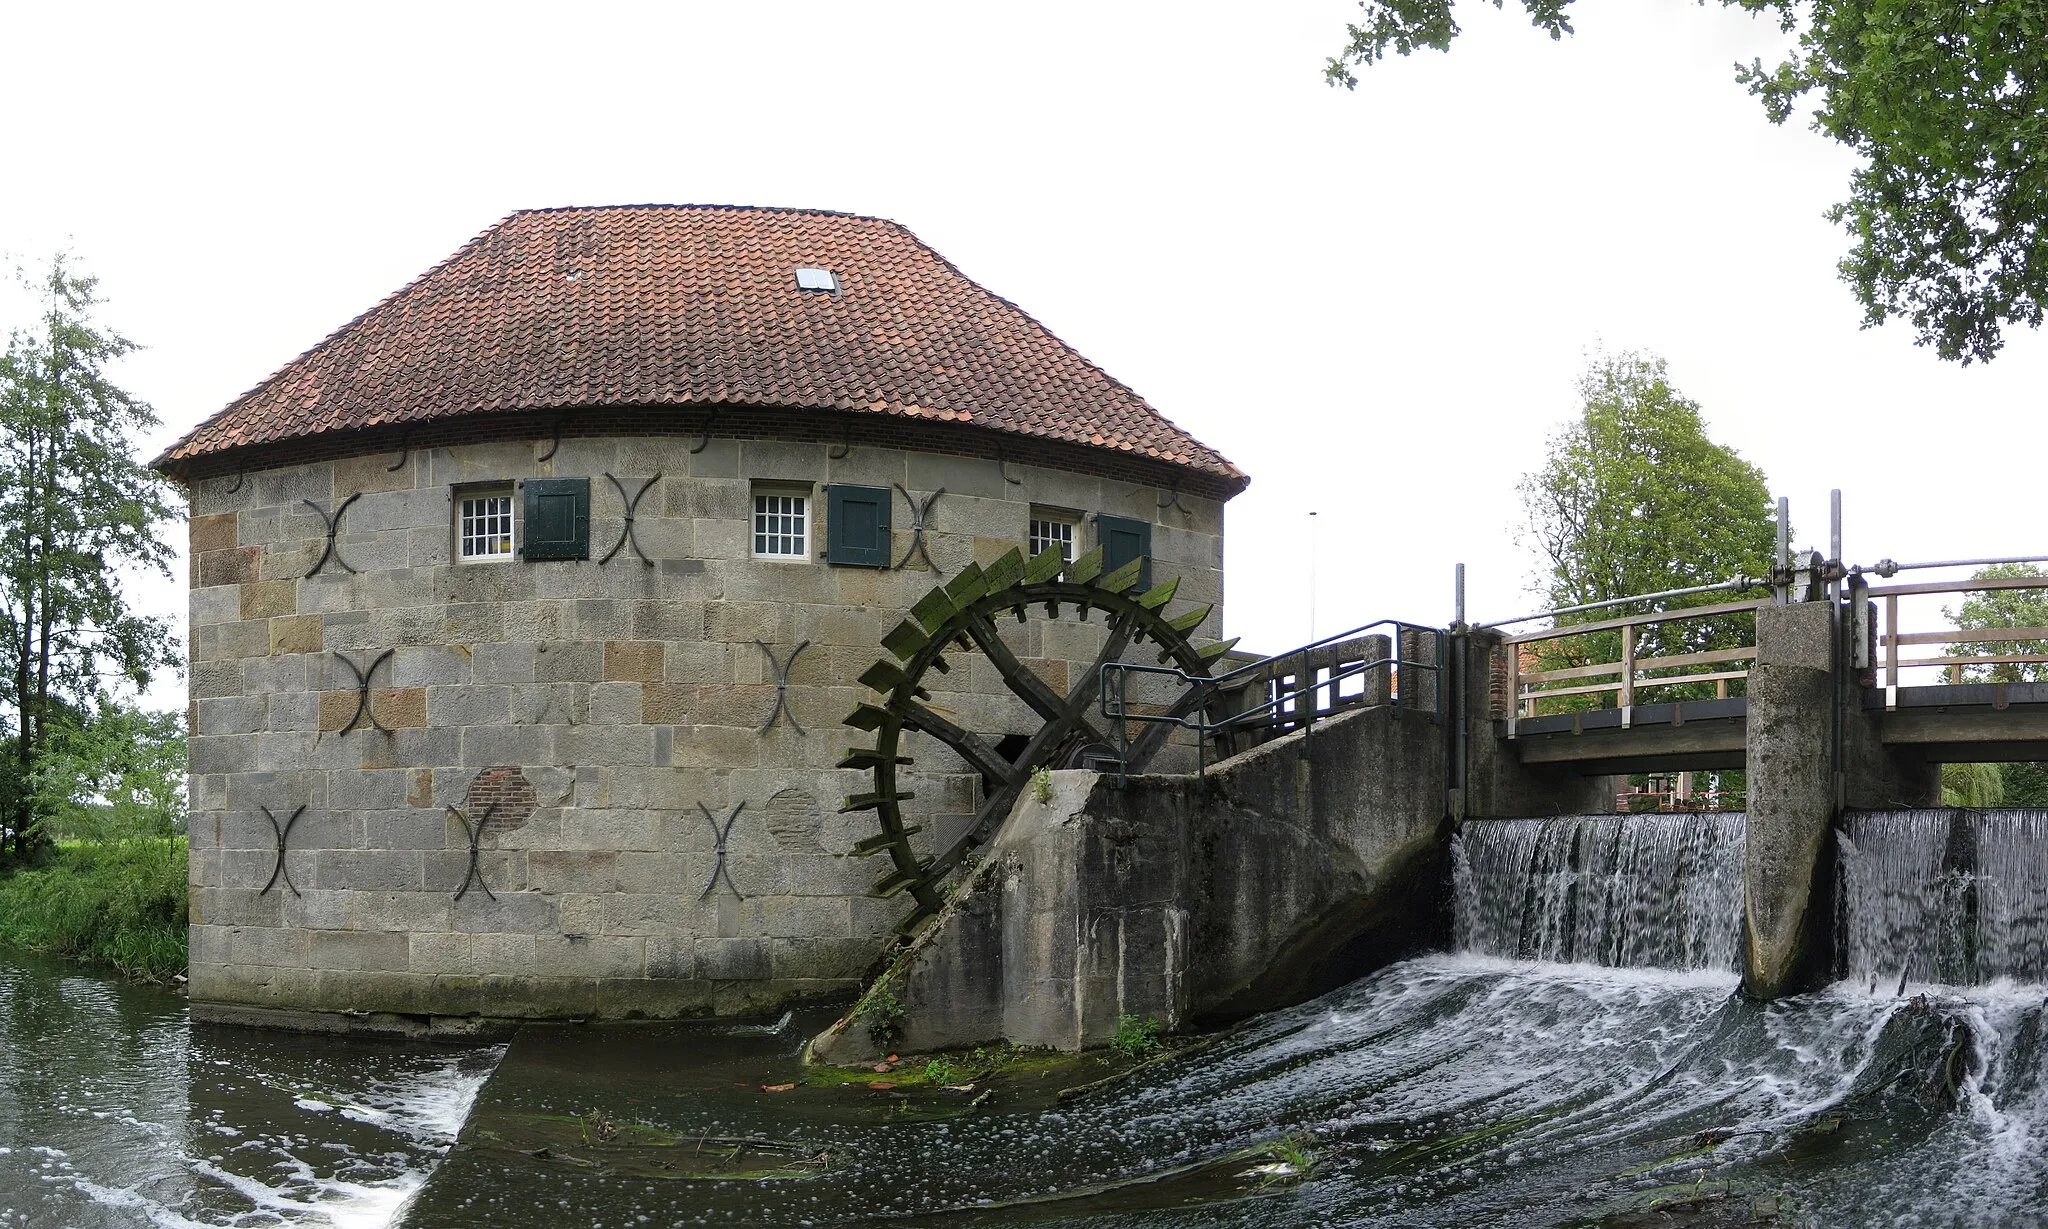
pixel 697 305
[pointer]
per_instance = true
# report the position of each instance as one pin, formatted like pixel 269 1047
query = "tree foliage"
pixel 1990 785
pixel 1945 103
pixel 1633 497
pixel 1985 609
pixel 76 507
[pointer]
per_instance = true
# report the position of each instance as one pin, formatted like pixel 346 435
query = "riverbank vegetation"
pixel 116 903
pixel 92 784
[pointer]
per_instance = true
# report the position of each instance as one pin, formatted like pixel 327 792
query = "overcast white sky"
pixel 1376 303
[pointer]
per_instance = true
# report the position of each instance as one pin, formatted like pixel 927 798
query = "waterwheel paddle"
pixel 961 615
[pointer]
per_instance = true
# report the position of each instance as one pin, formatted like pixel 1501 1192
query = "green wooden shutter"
pixel 1122 540
pixel 857 525
pixel 557 519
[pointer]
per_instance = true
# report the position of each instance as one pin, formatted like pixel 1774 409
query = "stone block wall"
pixel 608 718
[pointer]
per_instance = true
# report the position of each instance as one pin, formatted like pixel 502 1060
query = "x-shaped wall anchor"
pixel 782 708
pixel 333 523
pixel 704 441
pixel 282 831
pixel 475 833
pixel 556 446
pixel 1172 500
pixel 626 530
pixel 404 453
pixel 236 489
pixel 845 448
pixel 719 835
pixel 1003 472
pixel 920 520
pixel 363 708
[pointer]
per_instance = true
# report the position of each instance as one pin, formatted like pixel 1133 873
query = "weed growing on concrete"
pixel 881 1011
pixel 1136 1036
pixel 1041 786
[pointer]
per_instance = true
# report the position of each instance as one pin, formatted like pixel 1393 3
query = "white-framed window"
pixel 1052 532
pixel 484 524
pixel 782 524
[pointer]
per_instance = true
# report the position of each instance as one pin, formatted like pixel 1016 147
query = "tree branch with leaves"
pixel 1944 103
pixel 76 507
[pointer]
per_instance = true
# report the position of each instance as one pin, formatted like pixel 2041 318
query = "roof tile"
pixel 696 304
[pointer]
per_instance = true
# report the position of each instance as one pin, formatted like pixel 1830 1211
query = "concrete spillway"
pixel 1634 891
pixel 1950 896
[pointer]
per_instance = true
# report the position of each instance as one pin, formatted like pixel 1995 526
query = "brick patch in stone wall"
pixel 509 789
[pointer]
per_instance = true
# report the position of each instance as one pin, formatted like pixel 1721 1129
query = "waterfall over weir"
pixel 1630 891
pixel 1952 896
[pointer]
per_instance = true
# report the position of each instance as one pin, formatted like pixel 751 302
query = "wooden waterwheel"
pixel 961 615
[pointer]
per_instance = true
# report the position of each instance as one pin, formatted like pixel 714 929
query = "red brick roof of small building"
pixel 697 305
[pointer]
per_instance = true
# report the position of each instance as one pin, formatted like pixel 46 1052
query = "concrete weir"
pixel 1284 872
pixel 1308 861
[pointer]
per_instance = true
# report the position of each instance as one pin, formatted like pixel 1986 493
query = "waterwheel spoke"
pixel 1022 679
pixel 972 747
pixel 1082 696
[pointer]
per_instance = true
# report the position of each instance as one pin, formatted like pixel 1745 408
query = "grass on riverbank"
pixel 121 903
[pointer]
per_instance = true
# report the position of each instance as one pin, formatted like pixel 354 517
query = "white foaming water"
pixel 1943 897
pixel 1624 890
pixel 273 1133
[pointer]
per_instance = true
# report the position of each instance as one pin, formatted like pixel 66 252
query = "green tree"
pixel 2003 609
pixel 76 507
pixel 113 775
pixel 1945 104
pixel 1633 497
pixel 2021 785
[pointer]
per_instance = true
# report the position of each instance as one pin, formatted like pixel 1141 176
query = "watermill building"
pixel 526 609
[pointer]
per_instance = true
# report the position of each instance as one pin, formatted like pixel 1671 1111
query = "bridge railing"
pixel 1385 662
pixel 1628 675
pixel 1956 650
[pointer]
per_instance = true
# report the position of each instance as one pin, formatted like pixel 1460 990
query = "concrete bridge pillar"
pixel 1802 698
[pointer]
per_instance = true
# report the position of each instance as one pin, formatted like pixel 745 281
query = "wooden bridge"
pixel 1582 694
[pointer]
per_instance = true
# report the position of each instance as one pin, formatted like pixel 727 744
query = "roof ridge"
pixel 708 207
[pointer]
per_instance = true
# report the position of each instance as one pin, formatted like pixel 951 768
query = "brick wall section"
pixel 607 701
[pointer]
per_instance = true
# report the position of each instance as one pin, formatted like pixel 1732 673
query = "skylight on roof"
pixel 817 279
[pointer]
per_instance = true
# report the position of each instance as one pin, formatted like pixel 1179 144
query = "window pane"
pixel 1048 534
pixel 779 528
pixel 484 529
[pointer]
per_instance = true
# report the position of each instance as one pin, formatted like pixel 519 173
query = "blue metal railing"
pixel 1291 699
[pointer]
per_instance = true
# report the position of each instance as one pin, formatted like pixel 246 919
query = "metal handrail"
pixel 1113 702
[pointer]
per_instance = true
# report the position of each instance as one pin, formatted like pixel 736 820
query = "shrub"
pixel 121 903
pixel 1136 1036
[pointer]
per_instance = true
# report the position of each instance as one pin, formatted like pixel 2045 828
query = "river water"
pixel 1452 1090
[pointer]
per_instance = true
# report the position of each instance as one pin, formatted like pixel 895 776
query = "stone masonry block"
pixel 616 703
pixel 297 634
pixel 638 661
pixel 269 598
pixel 569 662
pixel 590 956
pixel 211 533
pixel 358 950
pixel 238 565
pixel 513 915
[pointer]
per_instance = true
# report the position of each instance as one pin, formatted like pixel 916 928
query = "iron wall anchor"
pixel 920 520
pixel 475 833
pixel 283 833
pixel 719 835
pixel 632 503
pixel 333 523
pixel 363 708
pixel 781 668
